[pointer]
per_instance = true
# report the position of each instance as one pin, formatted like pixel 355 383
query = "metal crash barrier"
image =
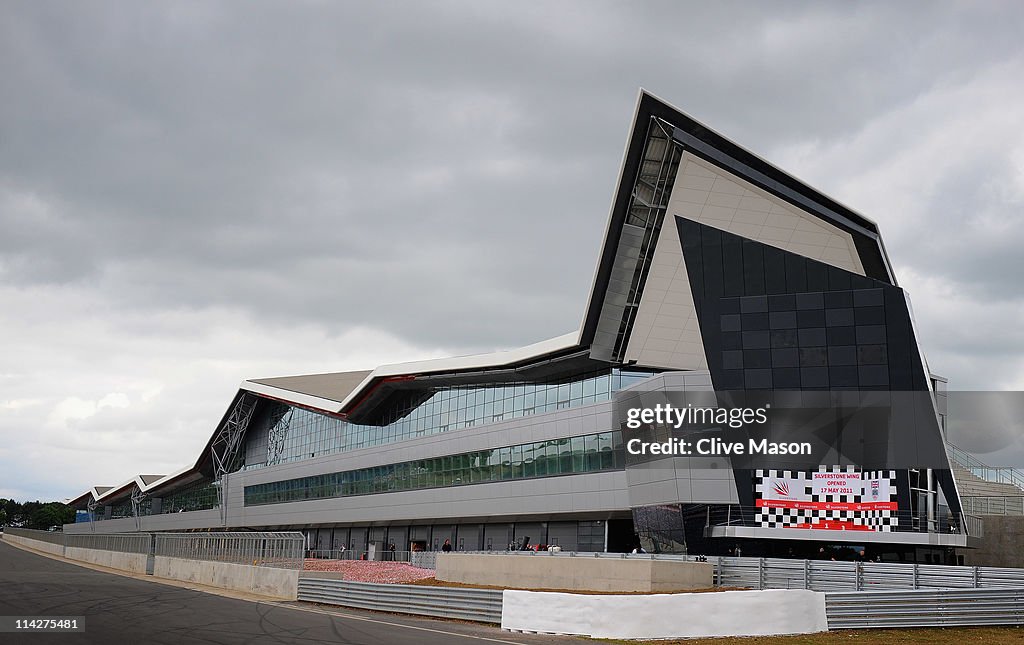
pixel 481 605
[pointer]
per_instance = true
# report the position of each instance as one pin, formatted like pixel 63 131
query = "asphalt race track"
pixel 119 609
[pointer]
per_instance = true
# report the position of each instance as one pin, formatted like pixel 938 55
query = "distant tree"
pixel 51 514
pixel 26 512
pixel 12 510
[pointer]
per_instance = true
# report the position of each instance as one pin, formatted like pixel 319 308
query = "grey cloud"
pixel 442 172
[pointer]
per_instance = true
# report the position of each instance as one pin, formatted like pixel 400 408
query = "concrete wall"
pixel 130 562
pixel 694 615
pixel 38 545
pixel 1001 546
pixel 574 573
pixel 264 581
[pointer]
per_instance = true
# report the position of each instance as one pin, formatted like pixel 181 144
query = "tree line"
pixel 35 515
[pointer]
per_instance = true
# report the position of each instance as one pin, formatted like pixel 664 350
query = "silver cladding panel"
pixel 698 480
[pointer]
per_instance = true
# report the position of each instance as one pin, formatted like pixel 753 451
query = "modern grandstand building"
pixel 718 271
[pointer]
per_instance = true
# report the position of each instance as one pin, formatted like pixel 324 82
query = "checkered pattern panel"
pixel 877 520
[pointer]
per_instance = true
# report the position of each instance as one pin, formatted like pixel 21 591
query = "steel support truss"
pixel 227 443
pixel 91 507
pixel 647 207
pixel 137 498
pixel 277 436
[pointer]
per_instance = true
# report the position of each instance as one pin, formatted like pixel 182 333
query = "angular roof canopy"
pixel 331 387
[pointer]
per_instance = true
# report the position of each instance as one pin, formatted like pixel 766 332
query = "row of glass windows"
pixel 295 433
pixel 121 510
pixel 196 497
pixel 589 453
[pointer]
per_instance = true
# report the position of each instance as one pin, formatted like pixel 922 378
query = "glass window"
pixel 593 460
pixel 564 457
pixel 604 441
pixel 530 398
pixel 529 461
pixel 576 392
pixel 563 395
pixel 505 455
pixel 517 462
pixel 578 455
pixel 617 450
pixel 551 454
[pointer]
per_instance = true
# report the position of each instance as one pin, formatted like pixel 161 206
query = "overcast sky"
pixel 192 194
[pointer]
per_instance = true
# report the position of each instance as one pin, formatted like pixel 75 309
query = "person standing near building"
pixel 447 546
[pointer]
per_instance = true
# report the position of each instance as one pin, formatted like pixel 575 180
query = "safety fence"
pixel 53 537
pixel 824 575
pixel 482 605
pixel 279 550
pixel 924 608
pixel 424 559
pixel 121 542
pixel 338 554
pixel 421 559
pixel 993 505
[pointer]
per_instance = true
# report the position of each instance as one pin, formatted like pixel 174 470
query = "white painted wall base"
pixel 689 615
